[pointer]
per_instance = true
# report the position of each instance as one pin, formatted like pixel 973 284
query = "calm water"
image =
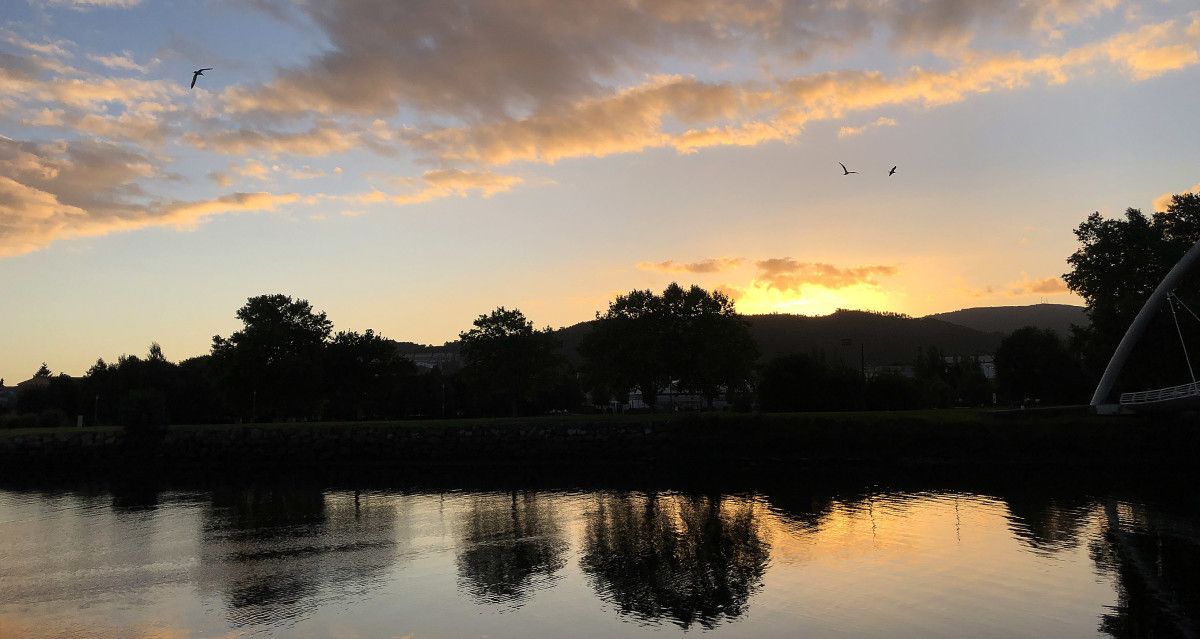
pixel 791 557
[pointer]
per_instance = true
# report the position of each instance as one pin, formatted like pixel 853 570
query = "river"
pixel 519 554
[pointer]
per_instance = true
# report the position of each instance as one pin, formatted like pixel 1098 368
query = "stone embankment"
pixel 907 437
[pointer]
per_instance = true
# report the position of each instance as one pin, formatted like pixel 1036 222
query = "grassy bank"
pixel 949 417
pixel 932 436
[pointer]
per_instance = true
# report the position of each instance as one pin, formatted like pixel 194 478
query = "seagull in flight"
pixel 196 74
pixel 846 171
pixel 893 171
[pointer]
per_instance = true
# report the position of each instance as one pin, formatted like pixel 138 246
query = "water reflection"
pixel 1048 523
pixel 686 559
pixel 511 545
pixel 276 552
pixel 1155 558
pixel 136 494
pixel 758 556
pixel 804 506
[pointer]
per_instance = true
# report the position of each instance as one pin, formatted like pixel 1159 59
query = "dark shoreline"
pixel 945 437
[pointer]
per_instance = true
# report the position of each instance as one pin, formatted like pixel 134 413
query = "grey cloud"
pixel 72 189
pixel 485 59
pixel 710 265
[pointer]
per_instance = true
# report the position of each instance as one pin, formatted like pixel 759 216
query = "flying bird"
pixel 846 171
pixel 196 74
pixel 893 171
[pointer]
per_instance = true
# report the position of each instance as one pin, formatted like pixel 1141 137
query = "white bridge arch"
pixel 1163 398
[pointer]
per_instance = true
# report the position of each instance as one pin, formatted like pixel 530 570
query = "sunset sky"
pixel 406 166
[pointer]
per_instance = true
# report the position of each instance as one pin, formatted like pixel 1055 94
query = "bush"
pixel 52 418
pixel 807 382
pixel 144 411
pixel 896 392
pixel 25 420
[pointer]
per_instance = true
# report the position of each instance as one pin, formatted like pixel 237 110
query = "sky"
pixel 407 166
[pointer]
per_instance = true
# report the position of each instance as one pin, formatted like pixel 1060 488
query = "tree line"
pixel 286 362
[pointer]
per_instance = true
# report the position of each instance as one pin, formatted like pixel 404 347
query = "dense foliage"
pixel 1118 264
pixel 287 363
pixel 812 382
pixel 513 366
pixel 686 339
pixel 1036 365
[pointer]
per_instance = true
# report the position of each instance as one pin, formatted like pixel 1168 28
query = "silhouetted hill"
pixel 1006 319
pixel 885 338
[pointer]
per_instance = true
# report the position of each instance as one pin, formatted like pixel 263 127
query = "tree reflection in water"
pixel 1047 523
pixel 687 559
pixel 511 546
pixel 1154 557
pixel 277 553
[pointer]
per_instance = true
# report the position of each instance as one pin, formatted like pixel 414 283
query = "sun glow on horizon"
pixel 447 168
pixel 814 300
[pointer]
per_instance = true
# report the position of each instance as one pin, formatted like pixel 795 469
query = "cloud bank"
pixel 458 89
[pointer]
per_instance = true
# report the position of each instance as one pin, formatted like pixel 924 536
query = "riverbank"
pixel 937 436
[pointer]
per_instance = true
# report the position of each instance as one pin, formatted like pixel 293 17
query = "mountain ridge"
pixel 1006 319
pixel 878 338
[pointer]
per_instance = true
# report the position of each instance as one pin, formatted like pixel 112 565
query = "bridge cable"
pixel 1179 331
pixel 1186 308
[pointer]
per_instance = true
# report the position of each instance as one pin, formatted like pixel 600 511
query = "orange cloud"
pixel 1163 201
pixel 454 182
pixel 484 98
pixel 850 131
pixel 1049 285
pixel 77 189
pixel 94 90
pixel 87 4
pixel 636 118
pixel 251 169
pixel 711 265
pixel 1027 286
pixel 480 59
pixel 221 178
pixel 1154 49
pixel 630 120
pixel 434 185
pixel 324 138
pixel 732 292
pixel 788 275
pixel 122 61
pixel 31 219
pixel 55 48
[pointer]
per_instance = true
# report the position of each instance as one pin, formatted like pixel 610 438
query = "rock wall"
pixel 915 437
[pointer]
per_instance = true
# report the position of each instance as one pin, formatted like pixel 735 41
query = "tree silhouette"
pixel 648 341
pixel 807 382
pixel 508 361
pixel 272 365
pixel 1115 269
pixel 687 559
pixel 511 544
pixel 367 377
pixel 1034 363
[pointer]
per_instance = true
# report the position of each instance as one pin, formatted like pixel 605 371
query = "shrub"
pixel 896 392
pixel 144 411
pixel 807 382
pixel 52 418
pixel 24 420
